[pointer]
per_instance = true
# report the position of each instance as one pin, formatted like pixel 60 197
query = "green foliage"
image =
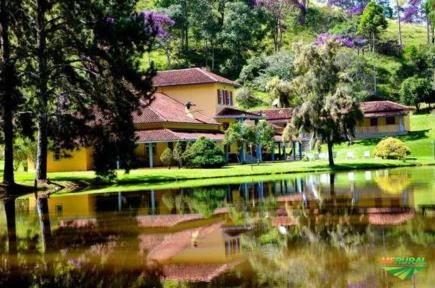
pixel 392 148
pixel 206 201
pixel 260 70
pixel 329 107
pixel 281 93
pixel 24 149
pixel 372 20
pixel 416 90
pixel 204 153
pixel 264 134
pixel 167 157
pixel 177 153
pixel 245 98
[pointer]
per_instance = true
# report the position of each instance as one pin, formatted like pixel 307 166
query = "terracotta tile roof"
pixel 171 220
pixel 229 112
pixel 188 77
pixel 383 108
pixel 195 272
pixel 165 135
pixel 390 219
pixel 167 109
pixel 276 114
pixel 174 243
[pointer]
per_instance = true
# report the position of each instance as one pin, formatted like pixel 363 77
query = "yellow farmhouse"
pixel 193 103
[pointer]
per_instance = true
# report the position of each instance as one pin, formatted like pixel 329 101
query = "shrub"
pixel 392 148
pixel 167 157
pixel 204 153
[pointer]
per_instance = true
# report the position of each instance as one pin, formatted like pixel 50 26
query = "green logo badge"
pixel 403 267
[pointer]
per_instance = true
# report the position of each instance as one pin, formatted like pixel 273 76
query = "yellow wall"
pixel 79 160
pixel 73 207
pixel 204 96
pixel 365 129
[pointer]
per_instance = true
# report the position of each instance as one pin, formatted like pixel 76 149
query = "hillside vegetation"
pixel 232 37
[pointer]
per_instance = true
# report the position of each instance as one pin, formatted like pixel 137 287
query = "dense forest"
pixel 251 41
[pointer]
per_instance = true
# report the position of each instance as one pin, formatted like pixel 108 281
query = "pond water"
pixel 310 230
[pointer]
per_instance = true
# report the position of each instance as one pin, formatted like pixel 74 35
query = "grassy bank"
pixel 160 178
pixel 419 140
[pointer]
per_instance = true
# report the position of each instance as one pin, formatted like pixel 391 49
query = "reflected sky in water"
pixel 312 230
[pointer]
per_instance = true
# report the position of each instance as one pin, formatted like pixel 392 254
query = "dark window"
pixel 225 125
pixel 373 121
pixel 56 154
pixel 59 210
pixel 391 120
pixel 231 98
pixel 219 96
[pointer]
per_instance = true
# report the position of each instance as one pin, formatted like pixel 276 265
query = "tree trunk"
pixel 330 154
pixel 399 22
pixel 44 222
pixel 42 90
pixel 373 42
pixel 9 206
pixel 8 73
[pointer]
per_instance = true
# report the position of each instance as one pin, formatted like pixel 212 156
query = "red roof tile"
pixel 165 135
pixel 229 112
pixel 188 77
pixel 386 108
pixel 275 114
pixel 167 109
pixel 195 272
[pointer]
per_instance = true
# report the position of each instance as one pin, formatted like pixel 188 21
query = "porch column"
pixel 150 154
pixel 259 154
pixel 273 152
pixel 153 202
pixel 294 150
pixel 300 150
pixel 283 152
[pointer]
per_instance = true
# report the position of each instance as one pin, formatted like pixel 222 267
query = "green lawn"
pixel 160 178
pixel 419 140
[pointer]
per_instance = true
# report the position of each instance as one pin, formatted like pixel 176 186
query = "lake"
pixel 307 230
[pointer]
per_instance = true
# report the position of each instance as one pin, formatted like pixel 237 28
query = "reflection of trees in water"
pixel 74 256
pixel 197 200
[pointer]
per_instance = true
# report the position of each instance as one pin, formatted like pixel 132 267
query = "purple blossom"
pixel 346 41
pixel 157 22
pixel 413 11
pixel 357 10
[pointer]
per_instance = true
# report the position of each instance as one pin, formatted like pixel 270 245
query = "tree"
pixel 264 135
pixel 372 22
pixel 9 81
pixel 415 90
pixel 245 98
pixel 240 32
pixel 329 107
pixel 280 93
pixel 204 153
pixel 87 80
pixel 178 153
pixel 278 10
pixel 167 157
